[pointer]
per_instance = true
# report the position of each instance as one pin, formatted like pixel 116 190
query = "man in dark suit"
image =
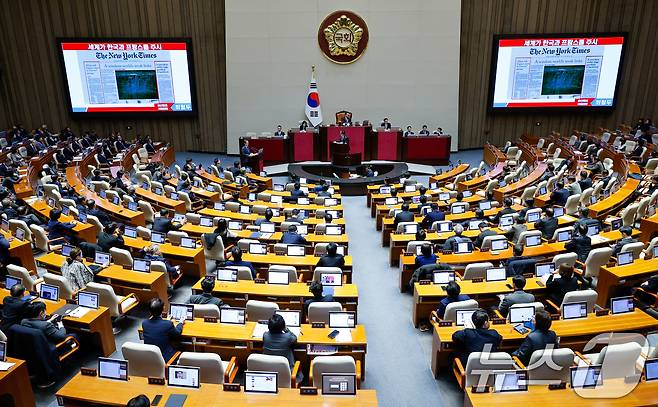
pixel 557 287
pixel 110 237
pixel 585 181
pixel 297 192
pixel 626 233
pixel 426 256
pixel 279 132
pixel 292 237
pixel 163 224
pixel 560 195
pixel 403 216
pixel 14 308
pixel 206 297
pixel 424 131
pixel 517 251
pixel 507 210
pixel 245 153
pixel 160 332
pixel 92 209
pixel 517 297
pixel 581 244
pixel 515 231
pixel 294 216
pixel 480 339
pixel 484 232
pixel 332 258
pixel 541 338
pixel 37 320
pixel 547 224
pixel 452 241
pixel 409 132
pixel 343 138
pixel 316 289
pixel 587 221
pixel 434 215
pixel 386 125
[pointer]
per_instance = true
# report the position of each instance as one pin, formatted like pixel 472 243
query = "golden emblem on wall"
pixel 343 36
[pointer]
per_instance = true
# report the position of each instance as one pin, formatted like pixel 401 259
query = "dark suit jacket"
pixel 107 241
pixel 162 225
pixel 581 245
pixel 586 183
pixel 296 193
pixel 53 334
pixel 482 235
pixel 280 345
pixel 547 227
pixel 502 212
pixel 558 287
pixel 431 217
pixel 519 265
pixel 404 216
pixel 560 196
pixel 621 243
pixel 471 340
pixel 331 261
pixel 160 332
pixel 517 297
pixel 13 312
pixel 535 340
pixel 452 241
pixel 293 238
pixel 204 298
pixel 102 216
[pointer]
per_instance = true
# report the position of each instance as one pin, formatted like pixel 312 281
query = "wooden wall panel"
pixel 482 19
pixel 31 82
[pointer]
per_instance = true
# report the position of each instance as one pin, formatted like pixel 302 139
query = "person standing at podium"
pixel 386 125
pixel 279 132
pixel 246 154
pixel 424 131
pixel 303 126
pixel 409 132
pixel 343 138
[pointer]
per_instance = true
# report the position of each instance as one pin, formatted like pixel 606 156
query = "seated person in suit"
pixel 110 237
pixel 236 260
pixel 541 338
pixel 153 253
pixel 558 287
pixel 529 204
pixel 292 237
pixel 267 219
pixel 453 294
pixel 434 215
pixel 426 256
pixel 295 216
pixel 485 231
pixel 478 339
pixel 547 224
pixel 424 131
pixel 560 195
pixel 626 233
pixel 332 258
pixel 161 332
pixel 403 216
pixel 324 192
pixel 507 210
pixel 59 231
pixel 517 228
pixel 14 308
pixel 163 224
pixel 28 218
pixel 296 192
pixel 36 319
pixel 517 251
pixel 585 181
pixel 303 125
pixel 573 187
pixel 279 132
pixel 206 297
pixel 236 169
pixel 517 297
pixel 278 340
pixel 452 241
pixel 438 131
pixel 586 220
pixel 581 244
pixel 409 132
pixel 386 124
pixel 316 289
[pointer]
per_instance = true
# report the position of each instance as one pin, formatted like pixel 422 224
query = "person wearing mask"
pixel 332 258
pixel 14 307
pixel 558 287
pixel 426 256
pixel 547 224
pixel 236 260
pixel 292 237
pixel 206 297
pixel 517 297
pixel 477 339
pixel 75 271
pixel 267 219
pixel 434 215
pixel 278 340
pixel 540 338
pixel 163 224
pixel 453 294
pixel 59 231
pixel 626 238
pixel 110 237
pixel 36 319
pixel 560 195
pixel 581 244
pixel 515 231
pixel 452 242
pixel 161 332
pixel 405 215
pixel 485 231
pixel 317 289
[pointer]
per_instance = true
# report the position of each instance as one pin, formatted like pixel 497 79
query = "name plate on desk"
pixel 160 381
pixel 231 387
pixel 308 391
pixel 424 282
pixel 317 325
pixel 602 312
pixel 259 281
pixel 499 321
pixel 479 389
pixel 445 323
pixel 212 320
pixel 557 386
pixel 478 280
pixel 87 371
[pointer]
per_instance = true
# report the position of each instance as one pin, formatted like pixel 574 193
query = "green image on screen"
pixel 562 80
pixel 140 84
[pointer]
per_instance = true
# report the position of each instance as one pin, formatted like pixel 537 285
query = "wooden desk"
pixel 243 190
pixel 482 180
pixel 161 201
pixel 615 201
pixel 209 196
pixel 573 333
pixel 612 276
pixel 197 231
pixel 84 231
pixel 304 264
pixel 21 250
pixel 289 296
pixel 449 176
pixel 87 390
pixel 15 383
pixel 251 217
pixel 192 261
pixel 519 186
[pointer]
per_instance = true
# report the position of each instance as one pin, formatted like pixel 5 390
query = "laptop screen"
pixel 142 265
pixel 498 245
pixel 444 226
pixel 521 314
pixel 292 318
pixel 485 205
pixel 333 230
pixel 49 292
pixel 116 200
pixel 65 211
pixel 496 274
pixel 205 221
pixel 157 237
pixel 444 196
pixel 624 258
pixel 130 232
pixel 66 249
pixel 235 225
pixel 563 235
pixel 82 217
pixel 558 211
pixel 331 279
pixel 219 206
pixel 621 305
pixel 232 316
pixel 302 229
pixel 544 268
pixel 511 380
pixel 457 209
pixel 278 187
pixel 616 224
pixel 343 384
pixel 251 196
pixel 188 242
pixel 302 201
pixel 296 250
pixel 464 317
pixel 651 369
pixel 102 258
pixel 113 369
pixel 592 199
pixel 533 216
pixel 467 194
pixel 532 241
pixel 464 247
pixel 330 202
pixel 277 277
pixel 410 229
pixel 267 227
pixel 179 217
pixel 223 274
pixel 257 248
pixel 183 376
pixel 11 281
pixel 586 376
pixel 415 199
pixel 245 209
pixel 276 199
pixel 506 221
pixel 157 191
pixel 132 206
pixel 3 351
pixel 474 224
pixel 443 277
pixel 181 311
pixel 592 230
pixel 574 310
pixel 342 319
pixel 260 382
pixel 384 190
pixel 409 188
pixel 88 299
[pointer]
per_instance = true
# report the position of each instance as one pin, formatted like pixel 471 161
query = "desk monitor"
pixel 157 237
pixel 410 229
pixel 277 199
pixel 11 281
pixel 145 185
pixel 251 196
pixel 278 277
pixel 333 230
pixel 51 201
pixel 3 351
pixel 498 245
pixel 188 242
pixel 558 211
pixel 586 376
pixel 181 311
pixel 510 380
pixel 102 259
pixel 304 189
pixel 464 317
pixel 651 369
pixel 88 299
pixel 130 231
pixel 183 376
pixel 502 183
pixel 444 196
pixel 592 199
pixel 302 200
pixel 49 292
pixel 592 230
pixel 65 211
pixel 409 188
pixel 485 206
pixel 474 224
pixel 330 201
pixel 534 216
pixel 234 225
pixel 302 229
pixel 142 265
pixel 616 224
pixel 4 225
pixel 464 247
pixel 292 318
pixel 279 187
pixel 132 206
pixel 156 190
pixel 563 235
pixel 434 185
pixel 519 315
pixel 415 199
pixel 66 249
pixel 174 196
pixel 245 209
pixel 224 274
pixel 296 250
pixel 331 279
pixel 533 240
pixel 302 180
pixel 467 194
pixel 338 384
pixel 342 319
pixel 496 274
pixel 257 248
pixel 219 206
pixel 624 258
pixel 82 217
pixel 443 277
pixel 655 252
pixel 261 382
pixel 574 310
pixel 113 369
pixel 232 315
pixel 384 190
pixel 179 217
pixel 444 226
pixel 116 200
pixel 275 212
pixel 340 250
pixel 267 227
pixel 622 305
pixel 197 183
pixel 205 221
pixel 391 201
pixel 103 194
pixel 544 268
pixel 419 250
pixel 458 209
pixel 506 221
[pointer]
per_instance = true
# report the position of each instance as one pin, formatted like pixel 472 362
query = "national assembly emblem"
pixel 343 37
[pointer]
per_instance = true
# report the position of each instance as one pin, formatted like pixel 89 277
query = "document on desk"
pixel 321 350
pixel 259 330
pixel 344 335
pixel 4 366
pixel 79 312
pixel 598 239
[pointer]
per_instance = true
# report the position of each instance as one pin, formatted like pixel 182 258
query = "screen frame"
pixel 113 360
pixel 543 109
pixel 261 372
pixel 194 368
pixel 331 393
pixel 106 115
